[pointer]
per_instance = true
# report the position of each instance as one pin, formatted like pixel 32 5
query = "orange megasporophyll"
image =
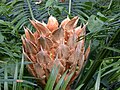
pixel 55 44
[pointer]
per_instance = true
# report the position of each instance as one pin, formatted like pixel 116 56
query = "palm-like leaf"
pixel 25 10
pixel 17 14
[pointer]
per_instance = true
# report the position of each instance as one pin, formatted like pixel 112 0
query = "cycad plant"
pixel 55 45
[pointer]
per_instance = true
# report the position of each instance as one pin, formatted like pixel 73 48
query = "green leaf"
pixel 87 0
pixel 82 13
pixel 52 78
pixel 112 49
pixel 111 1
pixel 21 71
pixel 97 84
pixel 99 58
pixel 28 82
pixel 109 58
pixel 30 9
pixel 5 77
pixel 94 24
pixel 1 38
pixel 7 80
pixel 67 81
pixel 79 87
pixel 111 65
pixel 2 22
pixel 15 76
pixel 115 69
pixel 18 17
pixel 57 87
pixel 95 42
pixel 60 8
pixel 49 3
pixel 0 86
pixel 18 81
pixel 20 22
pixel 3 1
pixel 100 14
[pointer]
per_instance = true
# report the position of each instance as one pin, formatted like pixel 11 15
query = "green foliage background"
pixel 102 69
